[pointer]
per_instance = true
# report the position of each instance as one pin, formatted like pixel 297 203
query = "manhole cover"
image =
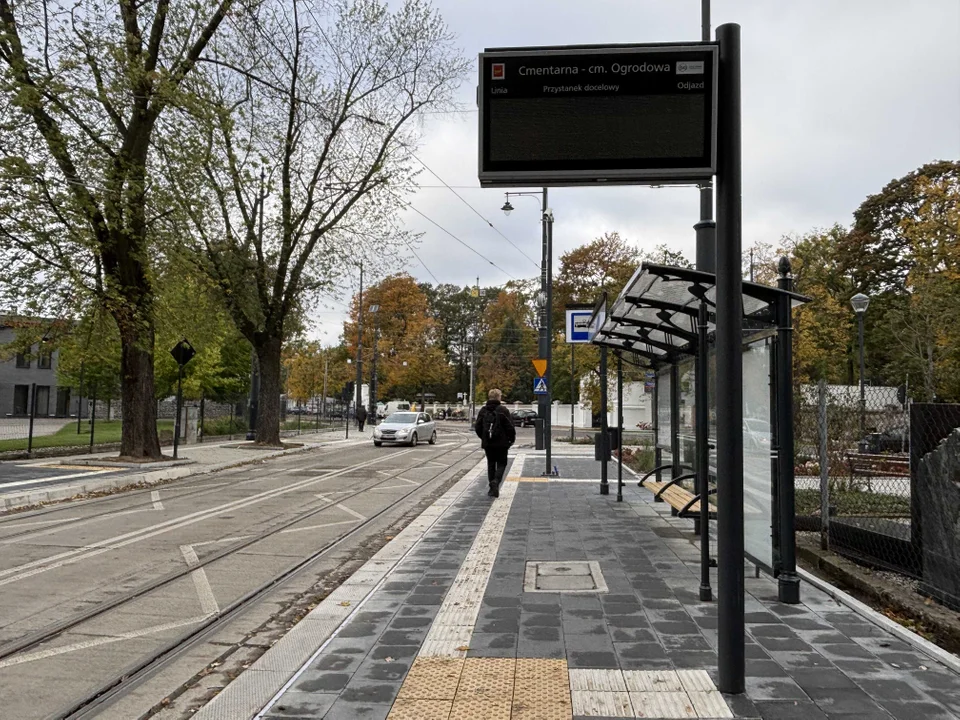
pixel 569 577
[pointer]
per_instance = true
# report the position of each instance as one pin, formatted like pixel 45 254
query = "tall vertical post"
pixel 573 391
pixel 604 429
pixel 93 415
pixel 731 652
pixel 473 353
pixel 706 229
pixel 655 416
pixel 80 399
pixel 548 418
pixel 788 581
pixel 322 408
pixel 254 394
pixel 702 421
pixel 176 423
pixel 675 469
pixel 620 426
pixel 373 373
pixel 33 412
pixel 863 398
pixel 359 344
pixel 824 467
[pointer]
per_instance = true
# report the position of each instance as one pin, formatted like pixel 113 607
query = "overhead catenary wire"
pixel 475 252
pixel 477 213
pixel 429 271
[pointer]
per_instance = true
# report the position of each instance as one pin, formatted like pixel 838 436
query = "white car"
pixel 407 428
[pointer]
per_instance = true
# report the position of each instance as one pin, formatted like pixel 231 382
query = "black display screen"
pixel 639 114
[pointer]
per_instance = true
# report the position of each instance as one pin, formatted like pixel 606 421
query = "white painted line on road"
pixel 155 498
pixel 53 652
pixel 221 540
pixel 39 522
pixel 343 507
pixel 55 478
pixel 208 602
pixel 317 527
pixel 69 557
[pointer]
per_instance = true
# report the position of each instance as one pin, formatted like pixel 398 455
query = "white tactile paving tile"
pixel 662 705
pixel 597 679
pixel 695 680
pixel 652 681
pixel 593 703
pixel 711 705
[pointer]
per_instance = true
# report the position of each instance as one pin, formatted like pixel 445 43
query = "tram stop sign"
pixel 585 115
pixel 183 352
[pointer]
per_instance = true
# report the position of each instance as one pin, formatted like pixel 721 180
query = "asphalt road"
pixel 30 475
pixel 90 590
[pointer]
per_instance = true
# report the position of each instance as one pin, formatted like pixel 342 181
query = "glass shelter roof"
pixel 655 315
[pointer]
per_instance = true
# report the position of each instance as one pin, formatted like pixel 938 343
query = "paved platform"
pixel 469 621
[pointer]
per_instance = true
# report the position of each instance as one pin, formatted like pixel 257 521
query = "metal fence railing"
pixel 873 477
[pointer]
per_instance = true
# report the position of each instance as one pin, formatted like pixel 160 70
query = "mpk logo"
pixel 498 71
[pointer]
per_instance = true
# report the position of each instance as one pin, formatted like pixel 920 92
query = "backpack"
pixel 491 425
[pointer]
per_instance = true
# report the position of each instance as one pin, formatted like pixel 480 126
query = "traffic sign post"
pixel 183 353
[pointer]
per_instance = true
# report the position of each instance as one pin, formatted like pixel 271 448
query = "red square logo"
pixel 498 71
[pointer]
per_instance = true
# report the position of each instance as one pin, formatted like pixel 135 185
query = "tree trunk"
pixel 268 415
pixel 138 438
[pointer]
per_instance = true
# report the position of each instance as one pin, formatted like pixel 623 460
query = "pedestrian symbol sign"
pixel 540 386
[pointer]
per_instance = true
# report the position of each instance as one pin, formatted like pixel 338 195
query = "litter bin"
pixel 614 438
pixel 538 433
pixel 601 447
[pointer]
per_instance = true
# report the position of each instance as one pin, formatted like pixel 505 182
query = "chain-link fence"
pixel 877 477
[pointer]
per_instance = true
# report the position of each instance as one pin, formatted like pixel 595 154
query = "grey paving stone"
pixel 541 649
pixel 410 623
pixel 742 707
pixel 800 659
pixel 344 658
pixel 541 634
pixel 498 626
pixel 640 651
pixel 820 678
pixel 295 704
pixel 404 637
pixel 348 710
pixel 773 688
pixel 889 689
pixel 844 701
pixel 540 620
pixel 676 628
pixel 788 710
pixel 493 645
pixel 791 644
pixel 865 668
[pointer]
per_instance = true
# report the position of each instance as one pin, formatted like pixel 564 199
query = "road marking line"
pixel 39 522
pixel 317 527
pixel 55 478
pixel 343 507
pixel 208 602
pixel 155 498
pixel 53 652
pixel 221 540
pixel 69 557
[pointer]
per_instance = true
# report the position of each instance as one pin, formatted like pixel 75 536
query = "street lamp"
pixel 546 319
pixel 374 309
pixel 860 302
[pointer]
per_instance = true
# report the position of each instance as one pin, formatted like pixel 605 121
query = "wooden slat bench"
pixel 683 502
pixel 868 465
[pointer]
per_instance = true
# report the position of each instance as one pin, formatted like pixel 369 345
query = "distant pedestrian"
pixel 361 417
pixel 496 432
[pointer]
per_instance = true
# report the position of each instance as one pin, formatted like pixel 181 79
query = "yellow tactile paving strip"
pixel 484 689
pixel 526 479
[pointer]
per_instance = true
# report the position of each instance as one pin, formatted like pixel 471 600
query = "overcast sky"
pixel 839 98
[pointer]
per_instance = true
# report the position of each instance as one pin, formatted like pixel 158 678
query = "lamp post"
pixel 359 344
pixel 546 319
pixel 374 309
pixel 860 302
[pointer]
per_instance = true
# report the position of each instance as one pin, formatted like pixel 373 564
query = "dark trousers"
pixel 360 424
pixel 496 463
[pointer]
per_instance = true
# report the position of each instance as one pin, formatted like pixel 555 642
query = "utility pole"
pixel 473 352
pixel 359 343
pixel 323 400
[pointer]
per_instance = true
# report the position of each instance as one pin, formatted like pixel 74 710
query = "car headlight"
pixel 402 432
pixel 376 432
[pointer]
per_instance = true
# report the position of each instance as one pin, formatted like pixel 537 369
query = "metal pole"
pixel 788 581
pixel 573 390
pixel 473 352
pixel 703 450
pixel 548 420
pixel 542 406
pixel 254 395
pixel 863 402
pixel 33 410
pixel 675 470
pixel 824 469
pixel 176 423
pixel 604 430
pixel 93 415
pixel 373 373
pixel 731 652
pixel 619 427
pixel 706 229
pixel 80 400
pixel 359 342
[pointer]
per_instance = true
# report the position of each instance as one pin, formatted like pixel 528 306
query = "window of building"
pixel 21 397
pixel 42 407
pixel 44 360
pixel 23 360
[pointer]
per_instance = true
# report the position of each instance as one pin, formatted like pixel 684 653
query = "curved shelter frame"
pixel 665 318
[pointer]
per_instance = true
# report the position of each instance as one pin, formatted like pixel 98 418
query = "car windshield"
pixel 407 418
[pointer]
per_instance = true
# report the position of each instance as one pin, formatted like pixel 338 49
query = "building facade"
pixel 31 376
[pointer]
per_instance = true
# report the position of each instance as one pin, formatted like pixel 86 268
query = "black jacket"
pixel 506 434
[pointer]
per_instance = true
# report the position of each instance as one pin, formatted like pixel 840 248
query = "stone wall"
pixel 938 493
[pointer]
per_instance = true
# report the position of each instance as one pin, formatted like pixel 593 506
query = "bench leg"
pixel 673 511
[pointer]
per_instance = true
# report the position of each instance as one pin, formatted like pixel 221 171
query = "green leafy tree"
pixel 83 93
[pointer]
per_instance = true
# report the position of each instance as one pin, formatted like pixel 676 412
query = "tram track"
pixel 136 673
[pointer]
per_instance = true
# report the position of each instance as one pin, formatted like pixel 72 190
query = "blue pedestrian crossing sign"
pixel 540 386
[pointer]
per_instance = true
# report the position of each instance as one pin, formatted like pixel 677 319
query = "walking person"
pixel 361 417
pixel 496 432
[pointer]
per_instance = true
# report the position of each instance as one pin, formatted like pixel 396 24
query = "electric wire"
pixel 475 252
pixel 477 213
pixel 429 271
